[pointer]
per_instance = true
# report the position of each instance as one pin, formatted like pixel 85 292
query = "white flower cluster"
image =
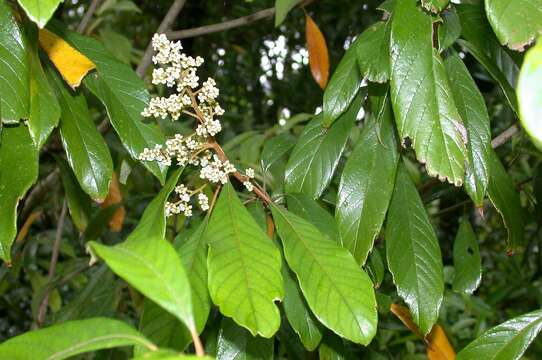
pixel 216 171
pixel 183 204
pixel 179 148
pixel 249 172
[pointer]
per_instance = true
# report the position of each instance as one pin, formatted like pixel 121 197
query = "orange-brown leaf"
pixel 26 226
pixel 318 54
pixel 70 63
pixel 438 345
pixel 115 197
pixel 403 314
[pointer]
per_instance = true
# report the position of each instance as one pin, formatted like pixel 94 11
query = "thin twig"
pixel 54 260
pixel 226 25
pixel 37 192
pixel 503 137
pixel 83 25
pixel 164 26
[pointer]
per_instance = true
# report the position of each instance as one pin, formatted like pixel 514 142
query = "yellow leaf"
pixel 318 54
pixel 438 345
pixel 115 197
pixel 70 63
pixel 26 226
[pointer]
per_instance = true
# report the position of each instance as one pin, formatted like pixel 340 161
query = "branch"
pixel 226 25
pixel 165 25
pixel 37 192
pixel 54 260
pixel 83 25
pixel 503 137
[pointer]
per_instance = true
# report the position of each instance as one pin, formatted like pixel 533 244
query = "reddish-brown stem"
pixel 200 351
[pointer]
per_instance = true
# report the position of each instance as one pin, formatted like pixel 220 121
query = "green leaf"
pixel 502 193
pixel 435 5
pixel 244 267
pixel 153 221
pixel 44 112
pixel 302 320
pixel 450 30
pixel 79 203
pixel 317 152
pixel 420 92
pixel 40 11
pixel 124 96
pixel 17 151
pixel 235 343
pixel 367 184
pixel 282 8
pixel 71 338
pixel 494 71
pixel 467 262
pixel 530 94
pixel 343 86
pixel 193 253
pixel 14 71
pixel 152 266
pixel 338 292
pixel 517 22
pixel 413 253
pixel 276 148
pixel 117 44
pixel 373 52
pixel 334 348
pixel 162 328
pixel 85 147
pixel 472 108
pixel 507 341
pixel 307 208
pixel 169 355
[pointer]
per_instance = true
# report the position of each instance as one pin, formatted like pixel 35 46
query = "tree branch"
pixel 503 137
pixel 54 260
pixel 226 25
pixel 83 25
pixel 165 25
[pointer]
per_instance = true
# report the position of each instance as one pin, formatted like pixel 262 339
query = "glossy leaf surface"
pixel 244 267
pixel 413 253
pixel 467 262
pixel 324 267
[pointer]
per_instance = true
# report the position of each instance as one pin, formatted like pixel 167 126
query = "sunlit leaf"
pixel 40 11
pixel 530 94
pixel 373 52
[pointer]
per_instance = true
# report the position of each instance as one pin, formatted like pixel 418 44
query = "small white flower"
pixel 248 185
pixel 250 173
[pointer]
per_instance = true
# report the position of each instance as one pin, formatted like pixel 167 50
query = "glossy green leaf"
pixel 375 268
pixel 485 47
pixel 79 203
pixel 282 8
pixel 307 208
pixel 530 94
pixel 301 319
pixel 14 68
pixel 153 221
pixel 450 29
pixel 40 11
pixel 373 52
pixel 507 341
pixel 276 148
pixel 343 86
pixel 338 292
pixel 517 22
pixel 502 193
pixel 316 155
pixel 71 338
pixel 124 96
pixel 367 184
pixel 44 112
pixel 193 253
pixel 85 147
pixel 420 92
pixel 334 348
pixel 435 5
pixel 413 253
pixel 152 266
pixel 472 108
pixel 235 343
pixel 494 71
pixel 162 328
pixel 17 151
pixel 467 262
pixel 244 267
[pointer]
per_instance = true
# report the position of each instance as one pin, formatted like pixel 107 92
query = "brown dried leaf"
pixel 115 197
pixel 438 345
pixel 26 226
pixel 318 54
